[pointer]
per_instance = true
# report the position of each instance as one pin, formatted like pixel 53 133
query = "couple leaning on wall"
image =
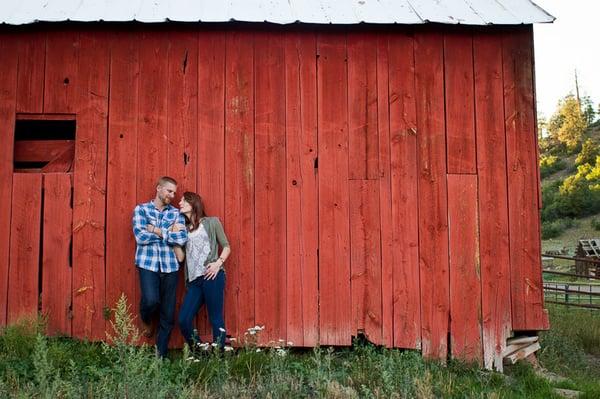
pixel 167 237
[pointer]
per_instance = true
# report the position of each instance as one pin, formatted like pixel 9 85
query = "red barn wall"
pixel 381 181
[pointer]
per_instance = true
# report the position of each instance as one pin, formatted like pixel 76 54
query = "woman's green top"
pixel 216 235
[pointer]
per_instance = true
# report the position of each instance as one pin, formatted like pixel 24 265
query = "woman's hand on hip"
pixel 212 269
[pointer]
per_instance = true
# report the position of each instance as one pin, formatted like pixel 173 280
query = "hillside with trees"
pixel 570 170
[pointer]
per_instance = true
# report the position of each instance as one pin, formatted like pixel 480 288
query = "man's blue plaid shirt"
pixel 153 252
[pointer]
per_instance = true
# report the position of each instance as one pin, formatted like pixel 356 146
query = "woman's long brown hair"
pixel 197 209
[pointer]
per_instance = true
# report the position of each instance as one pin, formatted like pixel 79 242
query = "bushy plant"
pixel 550 164
pixel 595 224
pixel 555 228
pixel 589 151
pixel 577 196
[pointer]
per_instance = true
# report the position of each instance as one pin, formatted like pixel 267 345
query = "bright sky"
pixel 571 42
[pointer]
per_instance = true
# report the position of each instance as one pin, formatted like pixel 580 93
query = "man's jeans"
pixel 159 294
pixel 200 292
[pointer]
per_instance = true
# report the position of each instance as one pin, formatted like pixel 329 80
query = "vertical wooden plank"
pixel 182 123
pixel 521 148
pixel 152 113
pixel 211 121
pixel 404 209
pixel 362 106
pixel 465 281
pixel 8 94
pixel 90 187
pixel 385 190
pixel 335 317
pixel 56 253
pixel 121 276
pixel 239 171
pixel 23 276
pixel 302 211
pixel 433 215
pixel 270 196
pixel 61 77
pixel 211 150
pixel 152 136
pixel 182 104
pixel 460 112
pixel 32 62
pixel 365 249
pixel 493 207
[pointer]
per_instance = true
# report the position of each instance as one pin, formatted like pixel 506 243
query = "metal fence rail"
pixel 575 294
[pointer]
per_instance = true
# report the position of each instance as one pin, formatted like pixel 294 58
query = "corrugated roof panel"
pixel 471 12
pixel 308 11
pixel 153 11
pixel 527 11
pixel 186 10
pixel 446 12
pixel 373 11
pixel 212 11
pixel 401 7
pixel 493 12
pixel 120 11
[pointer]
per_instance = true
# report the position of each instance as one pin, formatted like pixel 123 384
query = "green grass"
pixel 32 365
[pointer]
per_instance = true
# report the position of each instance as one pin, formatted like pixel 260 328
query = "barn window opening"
pixel 44 143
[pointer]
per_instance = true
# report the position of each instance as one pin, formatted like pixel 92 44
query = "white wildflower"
pixel 196 360
pixel 281 352
pixel 221 329
pixel 214 345
pixel 228 349
pixel 258 350
pixel 290 343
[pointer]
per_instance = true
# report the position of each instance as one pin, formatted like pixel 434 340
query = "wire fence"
pixel 582 294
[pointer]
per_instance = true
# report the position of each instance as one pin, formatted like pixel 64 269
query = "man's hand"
pixel 212 269
pixel 177 227
pixel 153 229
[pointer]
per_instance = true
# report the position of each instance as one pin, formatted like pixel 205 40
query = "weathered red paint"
pixel 335 159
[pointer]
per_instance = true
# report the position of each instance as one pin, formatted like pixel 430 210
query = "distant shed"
pixel 376 177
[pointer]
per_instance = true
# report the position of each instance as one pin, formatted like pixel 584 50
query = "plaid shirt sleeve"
pixel 180 237
pixel 142 236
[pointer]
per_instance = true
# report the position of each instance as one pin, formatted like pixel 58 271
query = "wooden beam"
pixel 46 117
pixel 62 163
pixel 522 353
pixel 41 150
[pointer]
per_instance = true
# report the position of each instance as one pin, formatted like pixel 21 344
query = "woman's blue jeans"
pixel 203 292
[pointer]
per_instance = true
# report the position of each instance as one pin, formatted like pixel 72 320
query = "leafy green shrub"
pixel 595 223
pixel 550 164
pixel 589 151
pixel 555 228
pixel 577 196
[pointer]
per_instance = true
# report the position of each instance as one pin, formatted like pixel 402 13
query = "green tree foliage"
pixel 589 152
pixel 568 124
pixel 577 196
pixel 587 107
pixel 550 164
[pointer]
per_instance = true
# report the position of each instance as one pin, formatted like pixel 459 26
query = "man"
pixel 155 259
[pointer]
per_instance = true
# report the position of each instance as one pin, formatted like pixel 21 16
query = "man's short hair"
pixel 165 179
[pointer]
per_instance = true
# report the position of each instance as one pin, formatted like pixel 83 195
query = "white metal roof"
pixel 470 12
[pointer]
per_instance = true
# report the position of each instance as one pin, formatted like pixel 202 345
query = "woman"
pixel 204 272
